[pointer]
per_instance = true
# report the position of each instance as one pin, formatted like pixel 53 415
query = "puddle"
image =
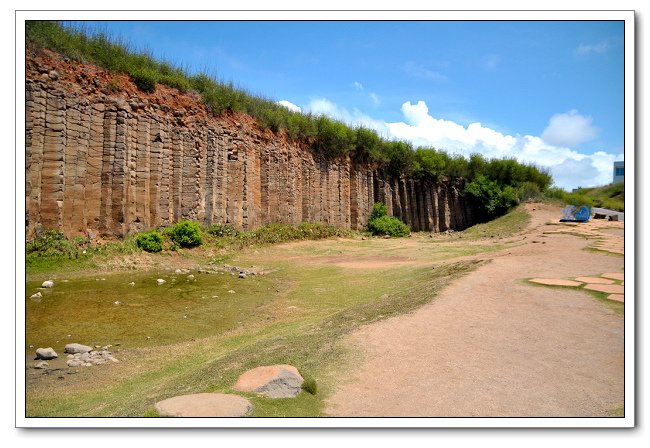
pixel 109 310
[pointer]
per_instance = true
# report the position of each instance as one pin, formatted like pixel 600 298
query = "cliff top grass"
pixel 325 136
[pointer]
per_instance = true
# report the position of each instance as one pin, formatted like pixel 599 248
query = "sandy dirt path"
pixel 491 345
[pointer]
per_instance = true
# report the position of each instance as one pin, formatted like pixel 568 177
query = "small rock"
pixel 160 281
pixel 278 381
pixel 242 275
pixel 190 277
pixel 113 359
pixel 47 284
pixel 46 353
pixel 41 365
pixel 132 284
pixel 231 291
pixel 178 271
pixel 117 302
pixel 36 296
pixel 99 361
pixel 87 364
pixel 70 356
pixel 77 348
pixel 73 363
pixel 54 75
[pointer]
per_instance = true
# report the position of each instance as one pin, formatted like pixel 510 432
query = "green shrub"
pixel 528 191
pixel 145 79
pixel 151 241
pixel 388 225
pixel 382 224
pixel 378 210
pixel 491 199
pixel 185 234
pixel 221 230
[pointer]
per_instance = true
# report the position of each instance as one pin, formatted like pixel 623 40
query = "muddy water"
pixel 108 310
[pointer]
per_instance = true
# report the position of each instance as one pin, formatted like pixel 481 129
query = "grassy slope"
pixel 608 196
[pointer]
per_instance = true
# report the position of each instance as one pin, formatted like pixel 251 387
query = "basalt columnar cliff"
pixel 106 157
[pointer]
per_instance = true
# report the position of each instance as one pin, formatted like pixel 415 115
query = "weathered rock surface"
pixel 77 348
pixel 278 381
pixel 97 164
pixel 46 353
pixel 204 405
pixel 41 365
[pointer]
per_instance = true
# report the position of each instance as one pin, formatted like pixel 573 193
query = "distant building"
pixel 619 172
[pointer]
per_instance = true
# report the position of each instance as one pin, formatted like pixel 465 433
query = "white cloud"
pixel 569 129
pixel 357 85
pixel 375 99
pixel 323 106
pixel 289 105
pixel 568 167
pixel 585 49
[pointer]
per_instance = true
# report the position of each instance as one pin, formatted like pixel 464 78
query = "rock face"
pixel 127 161
pixel 46 353
pixel 77 348
pixel 204 405
pixel 279 381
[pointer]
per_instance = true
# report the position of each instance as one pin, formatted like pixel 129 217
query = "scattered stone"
pixel 614 275
pixel 278 381
pixel 36 296
pixel 160 281
pixel 132 284
pixel 613 217
pixel 610 289
pixel 231 291
pixel 617 297
pixel 73 363
pixel 117 302
pixel 46 353
pixel 178 271
pixel 41 365
pixel 47 284
pixel 110 358
pixel 204 405
pixel 555 282
pixel 190 277
pixel 242 275
pixel 600 216
pixel 87 364
pixel 596 280
pixel 77 348
pixel 70 356
pixel 54 75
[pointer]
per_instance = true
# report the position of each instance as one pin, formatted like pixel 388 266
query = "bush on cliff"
pixel 490 198
pixel 185 233
pixel 382 224
pixel 151 241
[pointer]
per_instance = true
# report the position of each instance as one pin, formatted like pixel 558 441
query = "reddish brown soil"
pixel 492 345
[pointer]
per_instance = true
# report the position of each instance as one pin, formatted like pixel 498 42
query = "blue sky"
pixel 548 92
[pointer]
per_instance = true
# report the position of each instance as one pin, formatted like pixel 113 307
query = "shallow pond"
pixel 108 310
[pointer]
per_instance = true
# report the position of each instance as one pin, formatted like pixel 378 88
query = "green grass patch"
pixel 505 226
pixel 618 411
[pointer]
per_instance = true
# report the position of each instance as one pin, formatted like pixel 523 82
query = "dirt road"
pixel 492 345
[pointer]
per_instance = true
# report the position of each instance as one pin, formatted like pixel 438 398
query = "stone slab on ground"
pixel 617 297
pixel 77 348
pixel 555 282
pixel 595 280
pixel 614 275
pixel 278 381
pixel 610 289
pixel 204 405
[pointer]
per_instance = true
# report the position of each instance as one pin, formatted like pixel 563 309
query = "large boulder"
pixel 77 348
pixel 46 353
pixel 278 381
pixel 204 405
